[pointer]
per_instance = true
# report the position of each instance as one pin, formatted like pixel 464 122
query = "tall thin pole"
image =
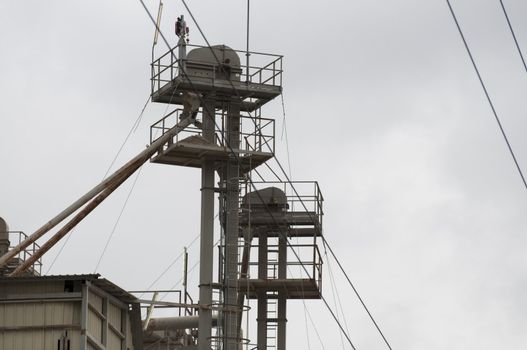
pixel 185 273
pixel 247 54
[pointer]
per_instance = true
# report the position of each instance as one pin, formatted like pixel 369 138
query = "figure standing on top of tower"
pixel 182 30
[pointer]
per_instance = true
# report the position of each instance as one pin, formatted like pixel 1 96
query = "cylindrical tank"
pixel 4 237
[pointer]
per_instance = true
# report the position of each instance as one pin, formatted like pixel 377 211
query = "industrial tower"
pixel 256 219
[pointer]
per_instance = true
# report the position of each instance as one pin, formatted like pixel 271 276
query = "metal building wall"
pixel 108 323
pixel 45 315
pixel 38 326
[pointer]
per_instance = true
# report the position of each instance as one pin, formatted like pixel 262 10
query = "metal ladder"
pixel 272 323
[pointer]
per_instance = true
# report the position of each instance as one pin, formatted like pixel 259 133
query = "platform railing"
pixel 301 196
pixel 305 263
pixel 170 295
pixel 265 68
pixel 17 237
pixel 256 133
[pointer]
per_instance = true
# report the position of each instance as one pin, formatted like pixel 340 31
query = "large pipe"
pixel 70 225
pixel 139 159
pixel 173 323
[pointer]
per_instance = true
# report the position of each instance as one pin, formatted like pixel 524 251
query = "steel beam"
pixel 282 296
pixel 207 231
pixel 132 165
pixel 231 177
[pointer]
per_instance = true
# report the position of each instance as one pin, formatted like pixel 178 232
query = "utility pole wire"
pixel 513 35
pixel 326 244
pixel 487 94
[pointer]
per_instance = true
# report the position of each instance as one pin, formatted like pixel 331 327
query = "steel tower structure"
pixel 230 140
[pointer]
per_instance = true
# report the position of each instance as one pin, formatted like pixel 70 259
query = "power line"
pixel 513 35
pixel 326 244
pixel 132 130
pixel 284 130
pixel 169 266
pixel 118 219
pixel 487 94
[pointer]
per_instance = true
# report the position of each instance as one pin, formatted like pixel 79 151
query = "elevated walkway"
pixel 305 283
pixel 188 148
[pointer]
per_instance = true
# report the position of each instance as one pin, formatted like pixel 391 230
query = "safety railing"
pixel 17 237
pixel 176 299
pixel 301 196
pixel 305 263
pixel 256 133
pixel 264 68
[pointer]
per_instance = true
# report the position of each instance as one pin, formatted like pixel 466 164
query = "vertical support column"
pixel 262 293
pixel 207 231
pixel 232 228
pixel 124 328
pixel 84 316
pixel 282 297
pixel 104 334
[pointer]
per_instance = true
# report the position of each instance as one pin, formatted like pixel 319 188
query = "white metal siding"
pixel 114 342
pixel 94 326
pixel 37 340
pixel 114 316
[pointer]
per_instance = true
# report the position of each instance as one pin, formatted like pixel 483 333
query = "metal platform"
pixel 301 216
pixel 255 85
pixel 16 237
pixel 305 267
pixel 189 148
pixel 293 288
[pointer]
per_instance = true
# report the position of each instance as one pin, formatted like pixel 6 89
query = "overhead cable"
pixel 513 35
pixel 118 219
pixel 487 94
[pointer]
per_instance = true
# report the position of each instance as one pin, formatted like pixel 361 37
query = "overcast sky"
pixel 423 203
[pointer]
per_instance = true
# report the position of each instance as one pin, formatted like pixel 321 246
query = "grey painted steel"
pixel 282 296
pixel 136 162
pixel 262 294
pixel 124 343
pixel 84 317
pixel 136 326
pixel 105 306
pixel 231 177
pixel 207 232
pixel 174 323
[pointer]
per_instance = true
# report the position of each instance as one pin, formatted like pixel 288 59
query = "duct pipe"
pixel 174 323
pixel 135 163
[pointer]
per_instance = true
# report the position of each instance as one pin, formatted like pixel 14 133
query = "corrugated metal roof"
pixel 87 277
pixel 94 278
